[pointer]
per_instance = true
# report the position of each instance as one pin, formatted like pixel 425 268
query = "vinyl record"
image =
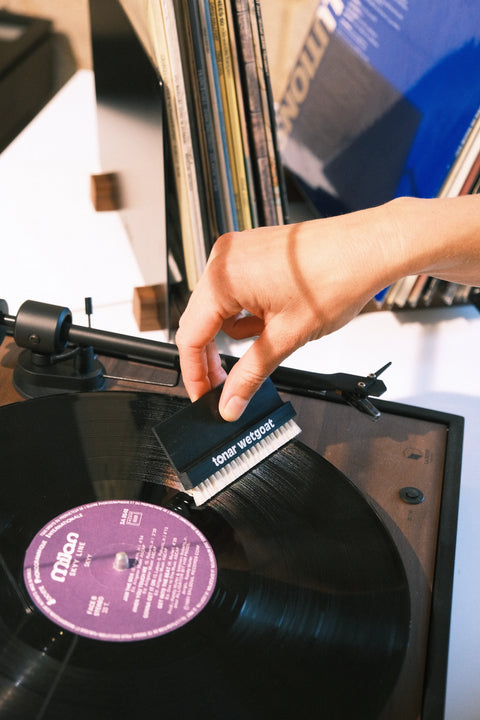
pixel 302 607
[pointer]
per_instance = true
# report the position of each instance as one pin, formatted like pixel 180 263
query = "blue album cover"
pixel 380 100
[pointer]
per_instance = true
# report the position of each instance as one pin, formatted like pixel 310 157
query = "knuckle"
pixel 225 241
pixel 251 379
pixel 179 335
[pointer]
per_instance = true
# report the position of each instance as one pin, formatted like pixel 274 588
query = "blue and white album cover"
pixel 380 99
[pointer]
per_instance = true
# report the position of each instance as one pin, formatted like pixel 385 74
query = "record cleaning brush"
pixel 208 453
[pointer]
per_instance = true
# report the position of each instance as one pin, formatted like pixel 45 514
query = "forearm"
pixel 439 237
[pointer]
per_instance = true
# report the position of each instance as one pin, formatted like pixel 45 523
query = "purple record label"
pixel 120 570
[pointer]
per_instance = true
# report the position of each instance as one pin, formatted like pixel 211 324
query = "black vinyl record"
pixel 309 614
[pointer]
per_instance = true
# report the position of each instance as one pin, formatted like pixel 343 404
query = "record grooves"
pixel 309 616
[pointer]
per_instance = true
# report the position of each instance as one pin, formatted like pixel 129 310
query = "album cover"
pixel 379 101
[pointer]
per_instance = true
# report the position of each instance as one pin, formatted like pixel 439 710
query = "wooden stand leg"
pixel 104 192
pixel 150 307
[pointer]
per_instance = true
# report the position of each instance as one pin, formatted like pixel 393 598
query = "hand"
pixel 300 282
pixel 296 282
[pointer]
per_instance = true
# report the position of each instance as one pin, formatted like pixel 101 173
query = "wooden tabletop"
pixel 8 359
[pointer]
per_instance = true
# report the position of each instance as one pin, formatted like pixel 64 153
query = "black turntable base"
pixel 332 565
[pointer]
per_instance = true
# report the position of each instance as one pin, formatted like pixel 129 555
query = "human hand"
pixel 296 282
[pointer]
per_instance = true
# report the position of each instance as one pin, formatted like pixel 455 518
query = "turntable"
pixel 327 571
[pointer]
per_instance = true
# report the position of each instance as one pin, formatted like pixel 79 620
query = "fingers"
pixel 216 373
pixel 201 368
pixel 199 358
pixel 252 369
pixel 256 280
pixel 211 306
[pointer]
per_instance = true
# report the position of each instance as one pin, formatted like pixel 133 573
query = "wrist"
pixel 438 237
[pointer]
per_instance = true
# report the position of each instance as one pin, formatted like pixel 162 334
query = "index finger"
pixel 199 358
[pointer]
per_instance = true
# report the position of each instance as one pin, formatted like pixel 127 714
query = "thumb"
pixel 248 373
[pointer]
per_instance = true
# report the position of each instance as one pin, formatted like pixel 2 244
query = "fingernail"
pixel 233 408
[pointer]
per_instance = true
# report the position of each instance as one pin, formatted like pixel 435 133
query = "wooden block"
pixel 104 191
pixel 150 307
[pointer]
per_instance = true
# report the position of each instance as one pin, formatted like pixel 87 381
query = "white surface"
pixel 56 248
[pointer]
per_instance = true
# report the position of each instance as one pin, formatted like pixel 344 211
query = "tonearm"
pixel 59 356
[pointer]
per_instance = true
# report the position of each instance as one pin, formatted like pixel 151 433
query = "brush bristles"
pixel 243 463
